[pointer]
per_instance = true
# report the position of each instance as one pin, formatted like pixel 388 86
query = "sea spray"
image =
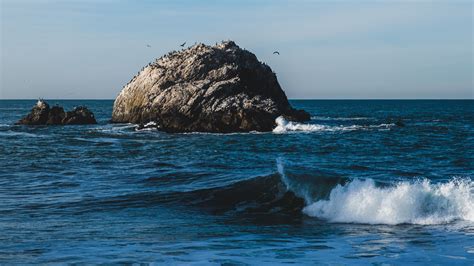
pixel 420 202
pixel 284 126
pixel 281 172
pixel 301 190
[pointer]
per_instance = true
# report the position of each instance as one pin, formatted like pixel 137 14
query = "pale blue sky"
pixel 329 49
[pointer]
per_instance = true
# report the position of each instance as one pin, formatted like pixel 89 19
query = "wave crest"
pixel 420 202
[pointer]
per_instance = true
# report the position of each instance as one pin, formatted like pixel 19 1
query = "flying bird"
pixel 182 45
pixel 276 52
pixel 148 45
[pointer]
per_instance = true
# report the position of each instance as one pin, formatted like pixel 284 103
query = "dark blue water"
pixel 352 186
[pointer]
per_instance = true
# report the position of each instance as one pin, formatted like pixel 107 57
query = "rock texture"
pixel 220 88
pixel 42 114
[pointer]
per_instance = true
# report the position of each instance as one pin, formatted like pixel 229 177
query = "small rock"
pixel 55 116
pixel 79 116
pixel 399 123
pixel 42 114
pixel 38 116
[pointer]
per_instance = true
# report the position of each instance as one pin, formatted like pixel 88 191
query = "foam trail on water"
pixel 284 126
pixel 420 202
pixel 327 118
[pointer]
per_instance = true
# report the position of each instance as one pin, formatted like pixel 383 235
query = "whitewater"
pixel 405 202
pixel 284 126
pixel 418 202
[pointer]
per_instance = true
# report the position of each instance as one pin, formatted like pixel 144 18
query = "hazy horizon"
pixel 328 50
pixel 291 99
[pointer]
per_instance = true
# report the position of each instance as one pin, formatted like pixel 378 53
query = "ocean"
pixel 363 182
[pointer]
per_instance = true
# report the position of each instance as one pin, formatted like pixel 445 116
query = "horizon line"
pixel 291 99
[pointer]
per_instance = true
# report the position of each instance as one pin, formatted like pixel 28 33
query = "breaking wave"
pixel 330 198
pixel 284 126
pixel 366 202
pixel 420 202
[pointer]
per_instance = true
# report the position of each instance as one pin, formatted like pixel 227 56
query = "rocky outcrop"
pixel 220 88
pixel 42 114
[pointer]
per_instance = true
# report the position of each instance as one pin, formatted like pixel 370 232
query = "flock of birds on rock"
pixel 184 43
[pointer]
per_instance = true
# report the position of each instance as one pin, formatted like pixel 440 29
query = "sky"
pixel 89 49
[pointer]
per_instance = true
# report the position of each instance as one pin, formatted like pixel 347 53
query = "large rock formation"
pixel 220 88
pixel 42 114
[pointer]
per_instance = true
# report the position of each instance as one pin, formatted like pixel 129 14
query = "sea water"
pixel 362 182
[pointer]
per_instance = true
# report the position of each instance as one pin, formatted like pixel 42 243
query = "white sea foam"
pixel 284 126
pixel 328 118
pixel 420 202
pixel 120 127
pixel 114 128
pixel 150 126
pixel 222 134
pixel 11 133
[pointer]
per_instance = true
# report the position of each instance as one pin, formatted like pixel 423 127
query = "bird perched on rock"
pixel 276 52
pixel 40 103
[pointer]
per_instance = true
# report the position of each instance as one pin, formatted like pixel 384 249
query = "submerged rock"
pixel 42 114
pixel 399 123
pixel 220 88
